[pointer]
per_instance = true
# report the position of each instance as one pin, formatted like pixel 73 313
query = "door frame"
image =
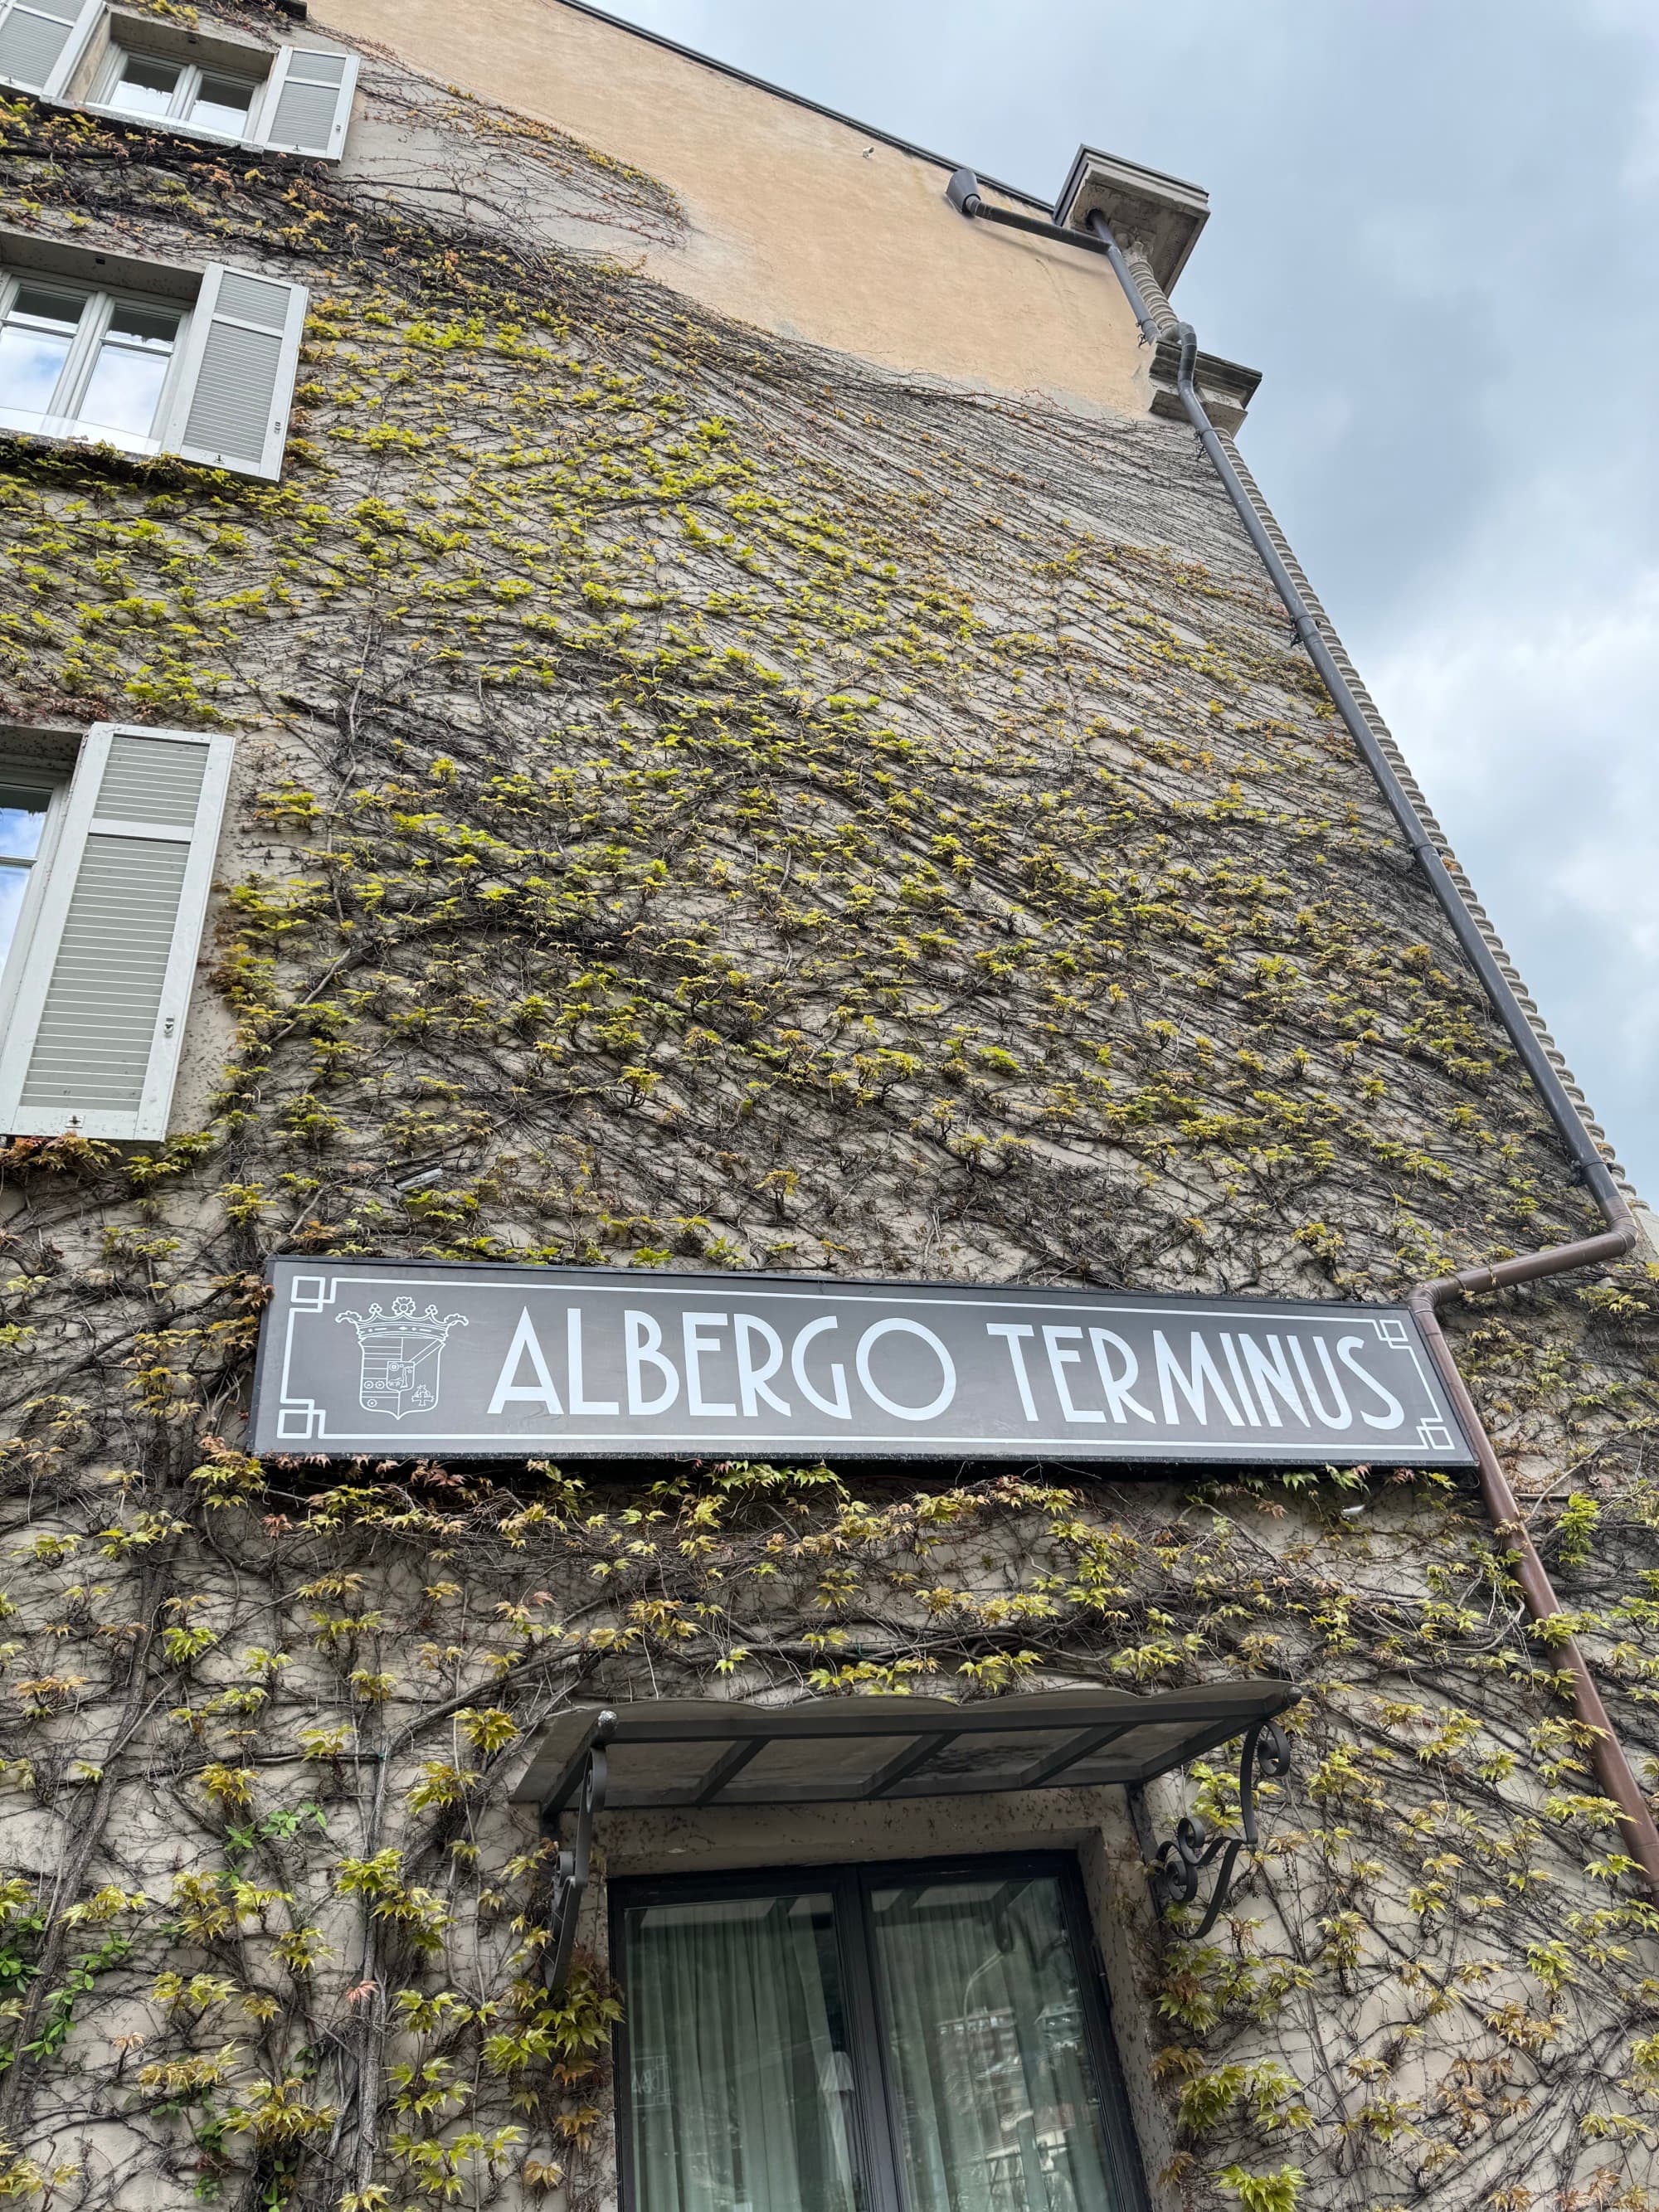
pixel 849 1885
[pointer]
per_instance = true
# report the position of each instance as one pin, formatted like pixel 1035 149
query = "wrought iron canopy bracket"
pixel 570 1875
pixel 1177 1862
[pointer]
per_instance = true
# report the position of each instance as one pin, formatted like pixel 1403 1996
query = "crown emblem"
pixel 401 1350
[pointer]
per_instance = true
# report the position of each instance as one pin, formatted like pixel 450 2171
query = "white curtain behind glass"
pixel 994 2105
pixel 741 2085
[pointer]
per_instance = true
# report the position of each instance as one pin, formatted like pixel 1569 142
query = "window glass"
pixel 125 386
pixel 994 2106
pixel 22 819
pixel 143 87
pixel 740 2072
pixel 222 104
pixel 953 2069
pixel 34 342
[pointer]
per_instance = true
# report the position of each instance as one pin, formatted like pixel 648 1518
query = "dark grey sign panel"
pixel 489 1361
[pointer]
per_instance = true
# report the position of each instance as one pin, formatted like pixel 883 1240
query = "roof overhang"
pixel 1163 215
pixel 664 1753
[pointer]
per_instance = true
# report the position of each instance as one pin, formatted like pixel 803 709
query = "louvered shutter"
pixel 98 1020
pixel 41 40
pixel 236 378
pixel 308 103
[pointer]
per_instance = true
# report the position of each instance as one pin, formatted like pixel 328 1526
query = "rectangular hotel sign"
pixel 420 1359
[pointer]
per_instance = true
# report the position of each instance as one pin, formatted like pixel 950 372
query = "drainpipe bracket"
pixel 963 192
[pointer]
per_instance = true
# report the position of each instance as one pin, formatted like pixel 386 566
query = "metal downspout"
pixel 1586 1155
pixel 1611 1766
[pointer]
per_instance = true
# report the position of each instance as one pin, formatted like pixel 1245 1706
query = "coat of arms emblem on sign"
pixel 401 1350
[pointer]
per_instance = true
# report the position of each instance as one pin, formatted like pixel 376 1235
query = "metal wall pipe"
pixel 1612 1767
pixel 1585 1153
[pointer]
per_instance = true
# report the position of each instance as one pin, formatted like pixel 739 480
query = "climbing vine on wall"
pixel 703 800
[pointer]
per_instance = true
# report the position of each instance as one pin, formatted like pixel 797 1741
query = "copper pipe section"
pixel 1612 1768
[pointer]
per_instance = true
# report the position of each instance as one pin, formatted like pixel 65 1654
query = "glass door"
pixel 740 2070
pixel 988 2072
pixel 884 2039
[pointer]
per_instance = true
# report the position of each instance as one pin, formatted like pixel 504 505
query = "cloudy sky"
pixel 1435 228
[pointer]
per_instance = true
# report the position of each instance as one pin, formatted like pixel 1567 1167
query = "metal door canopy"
pixel 419 1359
pixel 663 1753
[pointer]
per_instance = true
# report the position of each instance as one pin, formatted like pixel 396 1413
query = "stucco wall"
pixel 803 225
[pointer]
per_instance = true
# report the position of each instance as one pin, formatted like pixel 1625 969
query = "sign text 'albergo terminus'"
pixel 420 1359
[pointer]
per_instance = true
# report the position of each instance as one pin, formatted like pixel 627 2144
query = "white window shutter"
pixel 98 1020
pixel 308 103
pixel 235 380
pixel 41 40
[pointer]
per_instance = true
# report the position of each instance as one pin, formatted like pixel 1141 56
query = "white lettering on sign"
pixel 947 1389
pixel 1272 1380
pixel 1345 1348
pixel 698 1330
pixel 581 1405
pixel 1116 1384
pixel 526 1345
pixel 1058 1338
pixel 1194 1387
pixel 840 1406
pixel 520 1360
pixel 645 1348
pixel 753 1380
pixel 1011 1332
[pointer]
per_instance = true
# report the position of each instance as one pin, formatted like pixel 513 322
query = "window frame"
pixel 30 771
pixel 208 306
pixel 100 302
pixel 103 35
pixel 99 100
pixel 26 982
pixel 849 1885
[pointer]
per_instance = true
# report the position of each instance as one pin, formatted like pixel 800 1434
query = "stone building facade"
pixel 594 677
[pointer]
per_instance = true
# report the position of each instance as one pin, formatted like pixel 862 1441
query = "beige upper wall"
pixel 794 226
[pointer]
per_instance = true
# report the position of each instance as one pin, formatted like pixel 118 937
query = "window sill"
pixel 172 126
pixel 64 430
pixel 169 127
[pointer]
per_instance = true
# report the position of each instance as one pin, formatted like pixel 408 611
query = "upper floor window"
pixel 202 365
pixel 106 860
pixel 89 362
pixel 89 53
pixel 179 92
